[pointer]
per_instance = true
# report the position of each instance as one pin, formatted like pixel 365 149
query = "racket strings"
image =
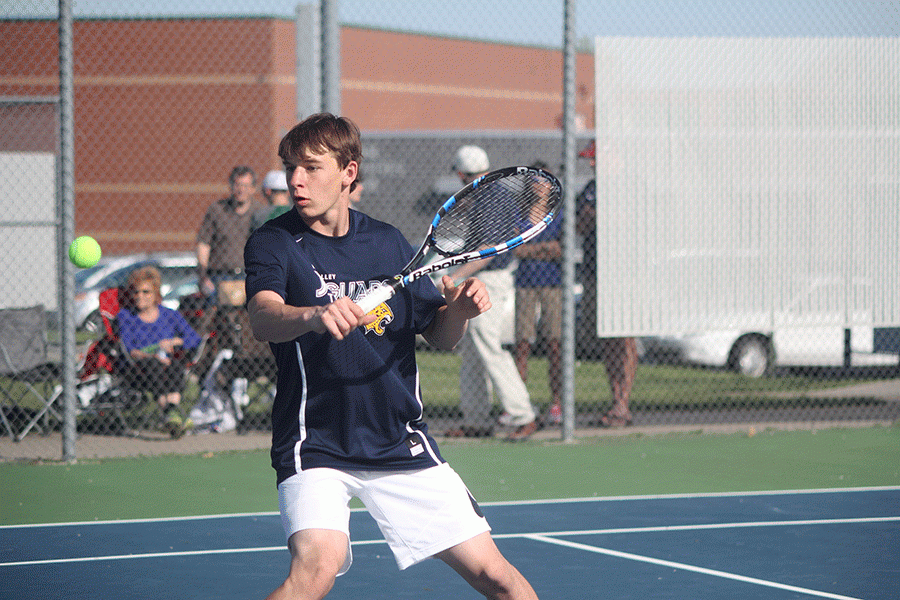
pixel 496 212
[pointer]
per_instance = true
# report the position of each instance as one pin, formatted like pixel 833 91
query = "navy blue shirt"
pixel 532 272
pixel 353 404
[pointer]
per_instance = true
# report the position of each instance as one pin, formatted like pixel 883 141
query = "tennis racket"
pixel 492 215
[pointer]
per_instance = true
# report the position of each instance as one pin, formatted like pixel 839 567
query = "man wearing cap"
pixel 619 355
pixel 486 366
pixel 278 201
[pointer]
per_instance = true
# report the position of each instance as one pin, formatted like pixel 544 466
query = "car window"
pixel 172 275
pixel 119 277
pixel 82 275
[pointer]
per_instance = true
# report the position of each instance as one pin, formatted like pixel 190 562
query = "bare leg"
pixel 480 563
pixel 554 366
pixel 172 399
pixel 620 358
pixel 523 351
pixel 316 557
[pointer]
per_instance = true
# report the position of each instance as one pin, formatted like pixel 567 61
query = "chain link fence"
pixel 167 104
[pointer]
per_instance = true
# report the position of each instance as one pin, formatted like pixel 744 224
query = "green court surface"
pixel 242 482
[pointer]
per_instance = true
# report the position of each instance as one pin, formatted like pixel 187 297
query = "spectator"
pixel 347 417
pixel 152 334
pixel 619 355
pixel 539 286
pixel 223 233
pixel 486 366
pixel 275 193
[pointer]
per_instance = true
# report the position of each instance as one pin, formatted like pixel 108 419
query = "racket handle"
pixel 375 297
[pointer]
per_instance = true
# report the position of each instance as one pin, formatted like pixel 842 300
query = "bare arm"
pixel 465 301
pixel 203 251
pixel 274 321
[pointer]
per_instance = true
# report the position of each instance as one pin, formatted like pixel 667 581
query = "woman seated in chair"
pixel 152 335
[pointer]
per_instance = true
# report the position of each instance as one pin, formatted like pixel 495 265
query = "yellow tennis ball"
pixel 84 252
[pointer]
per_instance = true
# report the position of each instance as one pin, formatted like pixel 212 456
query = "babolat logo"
pixel 384 316
pixel 449 262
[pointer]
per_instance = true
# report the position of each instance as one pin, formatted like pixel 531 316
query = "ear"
pixel 350 172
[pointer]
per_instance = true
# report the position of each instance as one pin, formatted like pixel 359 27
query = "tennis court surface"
pixel 842 543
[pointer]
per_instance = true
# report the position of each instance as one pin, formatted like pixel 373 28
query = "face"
pixel 319 187
pixel 243 188
pixel 144 295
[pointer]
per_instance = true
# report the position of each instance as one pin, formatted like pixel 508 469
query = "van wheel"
pixel 752 356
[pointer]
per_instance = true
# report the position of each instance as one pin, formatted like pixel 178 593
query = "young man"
pixel 347 418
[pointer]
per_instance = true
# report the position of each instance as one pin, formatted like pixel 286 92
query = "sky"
pixel 535 22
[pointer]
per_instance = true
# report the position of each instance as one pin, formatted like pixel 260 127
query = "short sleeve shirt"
pixel 351 404
pixel 225 232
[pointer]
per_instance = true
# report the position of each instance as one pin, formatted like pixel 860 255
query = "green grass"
pixel 237 482
pixel 655 385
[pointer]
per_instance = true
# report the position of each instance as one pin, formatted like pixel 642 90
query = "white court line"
pixel 881 488
pixel 707 526
pixel 685 567
pixel 80 559
pixel 502 536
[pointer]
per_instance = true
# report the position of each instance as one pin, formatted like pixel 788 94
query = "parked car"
pixel 755 353
pixel 809 331
pixel 178 271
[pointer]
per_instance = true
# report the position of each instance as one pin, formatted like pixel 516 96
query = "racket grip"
pixel 375 297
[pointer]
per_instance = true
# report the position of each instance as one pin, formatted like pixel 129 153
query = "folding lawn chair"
pixel 24 362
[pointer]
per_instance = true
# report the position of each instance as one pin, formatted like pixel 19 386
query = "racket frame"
pixel 411 272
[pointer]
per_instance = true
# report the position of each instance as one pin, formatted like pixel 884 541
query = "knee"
pixel 496 579
pixel 309 581
pixel 314 567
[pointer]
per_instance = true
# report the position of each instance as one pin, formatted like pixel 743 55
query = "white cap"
pixel 275 180
pixel 471 160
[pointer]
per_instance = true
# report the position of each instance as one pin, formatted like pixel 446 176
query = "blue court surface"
pixel 841 544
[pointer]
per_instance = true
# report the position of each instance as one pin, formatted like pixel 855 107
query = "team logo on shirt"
pixel 384 316
pixel 334 290
pixel 328 287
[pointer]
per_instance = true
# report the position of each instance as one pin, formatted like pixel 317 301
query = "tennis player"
pixel 347 418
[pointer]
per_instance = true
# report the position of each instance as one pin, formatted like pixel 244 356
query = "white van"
pixel 808 332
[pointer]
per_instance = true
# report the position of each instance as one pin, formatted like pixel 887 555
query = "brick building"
pixel 165 107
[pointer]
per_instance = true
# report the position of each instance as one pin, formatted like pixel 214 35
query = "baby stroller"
pixel 232 361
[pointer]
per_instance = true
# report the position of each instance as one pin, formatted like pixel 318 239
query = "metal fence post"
pixel 568 312
pixel 66 225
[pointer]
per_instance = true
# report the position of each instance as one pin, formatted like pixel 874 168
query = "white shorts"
pixel 420 513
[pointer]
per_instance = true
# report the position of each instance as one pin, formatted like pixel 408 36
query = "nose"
pixel 297 178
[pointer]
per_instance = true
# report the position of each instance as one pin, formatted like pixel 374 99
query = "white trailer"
pixel 749 189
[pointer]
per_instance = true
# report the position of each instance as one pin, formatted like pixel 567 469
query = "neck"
pixel 149 314
pixel 333 223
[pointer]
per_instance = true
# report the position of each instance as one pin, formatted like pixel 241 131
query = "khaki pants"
pixel 487 367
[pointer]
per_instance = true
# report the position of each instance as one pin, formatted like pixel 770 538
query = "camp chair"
pixel 24 362
pixel 103 392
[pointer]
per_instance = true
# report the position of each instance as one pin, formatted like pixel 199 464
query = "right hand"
pixel 340 318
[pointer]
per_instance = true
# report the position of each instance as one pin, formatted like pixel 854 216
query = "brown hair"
pixel 240 171
pixel 321 133
pixel 146 274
